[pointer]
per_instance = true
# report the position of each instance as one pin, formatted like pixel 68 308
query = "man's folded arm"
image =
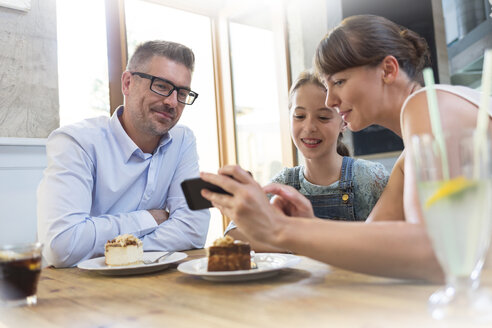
pixel 65 227
pixel 184 229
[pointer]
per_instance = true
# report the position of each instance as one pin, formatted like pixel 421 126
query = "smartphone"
pixel 192 188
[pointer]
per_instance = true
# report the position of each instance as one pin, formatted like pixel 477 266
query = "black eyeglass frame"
pixel 153 78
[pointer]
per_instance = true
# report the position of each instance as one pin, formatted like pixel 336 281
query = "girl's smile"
pixel 311 142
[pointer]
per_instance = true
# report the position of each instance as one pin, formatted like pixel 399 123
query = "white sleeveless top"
pixel 471 95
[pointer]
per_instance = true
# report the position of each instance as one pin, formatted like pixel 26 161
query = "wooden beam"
pixel 117 50
pixel 280 29
pixel 223 85
pixel 226 127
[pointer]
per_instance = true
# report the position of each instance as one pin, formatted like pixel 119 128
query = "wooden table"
pixel 311 294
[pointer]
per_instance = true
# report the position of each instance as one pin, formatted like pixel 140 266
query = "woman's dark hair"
pixel 366 40
pixel 309 77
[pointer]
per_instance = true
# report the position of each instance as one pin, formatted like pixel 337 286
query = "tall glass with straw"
pixel 454 182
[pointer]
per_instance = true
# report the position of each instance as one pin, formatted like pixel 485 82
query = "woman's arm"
pixel 392 249
pixel 255 245
pixel 389 207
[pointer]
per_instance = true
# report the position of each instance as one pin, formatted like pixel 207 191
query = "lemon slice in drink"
pixel 449 188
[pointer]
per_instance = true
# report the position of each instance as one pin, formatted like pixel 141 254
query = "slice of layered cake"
pixel 227 254
pixel 123 250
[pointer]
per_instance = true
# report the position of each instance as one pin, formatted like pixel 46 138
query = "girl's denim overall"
pixel 336 204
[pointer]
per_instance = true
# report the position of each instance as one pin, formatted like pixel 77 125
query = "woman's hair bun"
pixel 421 57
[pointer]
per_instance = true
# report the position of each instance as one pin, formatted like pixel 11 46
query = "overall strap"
pixel 347 172
pixel 293 178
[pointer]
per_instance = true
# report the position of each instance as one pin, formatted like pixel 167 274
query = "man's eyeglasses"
pixel 165 88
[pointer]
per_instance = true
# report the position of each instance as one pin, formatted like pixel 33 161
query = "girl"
pixel 338 186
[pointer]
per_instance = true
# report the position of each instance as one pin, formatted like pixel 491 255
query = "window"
pixel 82 60
pixel 256 107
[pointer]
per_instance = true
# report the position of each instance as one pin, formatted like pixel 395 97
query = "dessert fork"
pixel 158 259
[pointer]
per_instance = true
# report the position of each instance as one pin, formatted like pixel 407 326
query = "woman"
pixel 338 186
pixel 372 69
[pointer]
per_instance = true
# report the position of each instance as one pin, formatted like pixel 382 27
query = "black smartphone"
pixel 192 188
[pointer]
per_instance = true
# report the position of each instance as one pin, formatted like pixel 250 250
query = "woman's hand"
pixel 289 200
pixel 248 206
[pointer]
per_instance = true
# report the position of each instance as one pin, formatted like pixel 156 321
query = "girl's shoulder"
pixel 364 164
pixel 366 170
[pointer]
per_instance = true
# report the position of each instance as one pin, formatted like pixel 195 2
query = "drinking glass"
pixel 454 193
pixel 20 267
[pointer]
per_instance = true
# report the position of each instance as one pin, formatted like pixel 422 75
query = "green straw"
pixel 480 140
pixel 436 120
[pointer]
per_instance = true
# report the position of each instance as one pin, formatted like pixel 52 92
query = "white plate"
pixel 269 264
pixel 98 265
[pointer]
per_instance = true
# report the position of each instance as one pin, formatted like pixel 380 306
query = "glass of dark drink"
pixel 20 267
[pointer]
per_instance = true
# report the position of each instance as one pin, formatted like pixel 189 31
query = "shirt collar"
pixel 127 146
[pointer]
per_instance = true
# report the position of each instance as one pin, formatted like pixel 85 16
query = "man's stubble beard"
pixel 145 123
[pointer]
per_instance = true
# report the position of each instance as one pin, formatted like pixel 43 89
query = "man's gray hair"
pixel 171 50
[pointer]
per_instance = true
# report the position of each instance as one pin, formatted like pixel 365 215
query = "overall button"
pixel 345 198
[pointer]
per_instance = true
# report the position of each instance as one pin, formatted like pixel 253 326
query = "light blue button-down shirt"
pixel 98 184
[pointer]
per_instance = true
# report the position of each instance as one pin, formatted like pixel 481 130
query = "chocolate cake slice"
pixel 227 254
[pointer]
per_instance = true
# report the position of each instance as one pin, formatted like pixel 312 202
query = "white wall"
pixel 22 161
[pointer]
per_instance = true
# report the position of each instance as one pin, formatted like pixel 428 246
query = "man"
pixel 110 176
